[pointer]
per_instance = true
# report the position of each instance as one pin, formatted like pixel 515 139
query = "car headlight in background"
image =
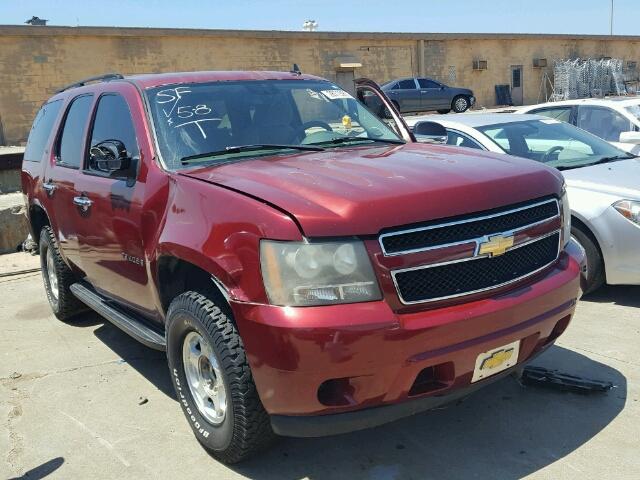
pixel 565 214
pixel 629 209
pixel 305 274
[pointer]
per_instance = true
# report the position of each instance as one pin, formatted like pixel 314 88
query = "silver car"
pixel 603 182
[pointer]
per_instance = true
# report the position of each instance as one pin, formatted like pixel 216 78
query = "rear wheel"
pixel 595 264
pixel 445 111
pixel 58 278
pixel 212 379
pixel 460 104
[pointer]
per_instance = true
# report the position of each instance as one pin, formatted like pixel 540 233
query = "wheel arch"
pixel 584 227
pixel 38 218
pixel 175 275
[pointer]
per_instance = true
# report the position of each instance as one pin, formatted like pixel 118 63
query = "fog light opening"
pixel 430 379
pixel 336 392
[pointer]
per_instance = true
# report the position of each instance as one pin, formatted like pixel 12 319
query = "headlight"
pixel 629 209
pixel 304 274
pixel 565 214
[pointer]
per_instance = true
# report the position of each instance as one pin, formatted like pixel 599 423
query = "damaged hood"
pixel 362 190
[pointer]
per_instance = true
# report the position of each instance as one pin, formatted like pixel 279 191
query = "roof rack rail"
pixel 99 78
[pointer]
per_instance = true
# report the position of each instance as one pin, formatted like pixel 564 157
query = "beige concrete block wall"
pixel 34 61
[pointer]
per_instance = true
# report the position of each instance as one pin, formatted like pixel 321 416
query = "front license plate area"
pixel 496 360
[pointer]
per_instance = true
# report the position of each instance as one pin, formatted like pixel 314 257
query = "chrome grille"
pixel 478 272
pixel 439 282
pixel 467 229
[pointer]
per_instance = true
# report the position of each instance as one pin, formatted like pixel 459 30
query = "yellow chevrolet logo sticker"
pixel 496 245
pixel 496 359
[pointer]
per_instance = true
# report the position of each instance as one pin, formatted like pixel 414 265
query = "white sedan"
pixel 616 119
pixel 603 182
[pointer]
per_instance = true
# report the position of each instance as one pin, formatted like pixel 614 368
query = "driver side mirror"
pixel 430 132
pixel 630 137
pixel 109 156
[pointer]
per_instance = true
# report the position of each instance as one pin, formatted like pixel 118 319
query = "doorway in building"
pixel 345 79
pixel 517 95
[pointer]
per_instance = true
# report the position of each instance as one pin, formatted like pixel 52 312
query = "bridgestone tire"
pixel 245 429
pixel 64 305
pixel 595 264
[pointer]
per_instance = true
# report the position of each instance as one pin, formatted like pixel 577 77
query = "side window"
pixel 426 83
pixel 461 140
pixel 408 84
pixel 113 123
pixel 561 113
pixel 69 152
pixel 41 131
pixel 603 122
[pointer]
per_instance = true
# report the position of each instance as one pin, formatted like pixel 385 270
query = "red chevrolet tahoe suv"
pixel 309 268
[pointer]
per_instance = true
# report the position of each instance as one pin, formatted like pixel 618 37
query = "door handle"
pixel 83 202
pixel 49 187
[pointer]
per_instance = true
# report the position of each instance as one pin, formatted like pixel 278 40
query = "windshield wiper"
pixel 248 148
pixel 600 161
pixel 339 140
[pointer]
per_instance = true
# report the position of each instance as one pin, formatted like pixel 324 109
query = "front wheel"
pixel 595 264
pixel 213 381
pixel 460 104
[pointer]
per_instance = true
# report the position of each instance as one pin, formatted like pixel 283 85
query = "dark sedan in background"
pixel 424 94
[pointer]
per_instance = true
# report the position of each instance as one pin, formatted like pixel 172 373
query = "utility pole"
pixel 611 20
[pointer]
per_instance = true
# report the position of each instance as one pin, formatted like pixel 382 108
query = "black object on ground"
pixel 543 377
pixel 503 95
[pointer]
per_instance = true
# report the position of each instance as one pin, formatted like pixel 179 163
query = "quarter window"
pixel 72 138
pixel 461 140
pixel 409 84
pixel 41 131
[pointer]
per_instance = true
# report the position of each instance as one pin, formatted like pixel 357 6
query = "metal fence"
pixel 582 78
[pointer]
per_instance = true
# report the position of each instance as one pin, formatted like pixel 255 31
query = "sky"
pixel 490 16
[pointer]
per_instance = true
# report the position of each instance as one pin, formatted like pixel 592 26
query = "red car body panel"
pixel 333 193
pixel 214 218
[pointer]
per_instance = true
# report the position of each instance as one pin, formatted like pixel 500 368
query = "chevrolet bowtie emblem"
pixel 496 245
pixel 496 359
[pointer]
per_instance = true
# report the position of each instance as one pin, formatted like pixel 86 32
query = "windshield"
pixel 554 143
pixel 634 110
pixel 192 120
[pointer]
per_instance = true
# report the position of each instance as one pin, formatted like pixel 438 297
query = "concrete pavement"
pixel 83 400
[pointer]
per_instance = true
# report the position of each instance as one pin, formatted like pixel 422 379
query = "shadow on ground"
pixel 508 430
pixel 625 295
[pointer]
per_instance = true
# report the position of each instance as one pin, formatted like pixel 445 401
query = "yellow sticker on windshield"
pixel 346 122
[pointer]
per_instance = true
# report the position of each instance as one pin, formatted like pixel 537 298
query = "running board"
pixel 129 324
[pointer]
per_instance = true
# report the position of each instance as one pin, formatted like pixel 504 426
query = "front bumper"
pixel 318 361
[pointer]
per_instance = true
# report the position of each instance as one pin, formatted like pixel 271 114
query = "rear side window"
pixel 426 83
pixel 41 131
pixel 70 148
